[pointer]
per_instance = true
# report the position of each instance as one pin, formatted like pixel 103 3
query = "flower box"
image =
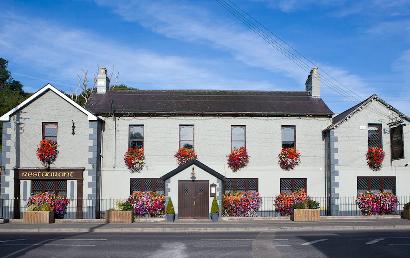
pixel 305 215
pixel 125 217
pixel 38 217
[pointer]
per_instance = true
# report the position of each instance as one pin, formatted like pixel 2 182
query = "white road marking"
pixel 399 244
pixel 315 241
pixel 10 240
pixel 83 239
pixel 39 244
pixel 374 241
pixel 281 245
pixel 280 239
pixel 24 249
pixel 227 239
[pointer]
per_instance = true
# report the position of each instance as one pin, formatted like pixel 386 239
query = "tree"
pixel 122 87
pixel 11 92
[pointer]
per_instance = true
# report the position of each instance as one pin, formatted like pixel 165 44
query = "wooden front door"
pixel 193 199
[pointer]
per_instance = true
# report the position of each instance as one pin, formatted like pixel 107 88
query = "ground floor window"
pixel 147 185
pixel 376 184
pixel 58 187
pixel 241 184
pixel 290 185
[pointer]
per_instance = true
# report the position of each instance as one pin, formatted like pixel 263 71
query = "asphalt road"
pixel 287 244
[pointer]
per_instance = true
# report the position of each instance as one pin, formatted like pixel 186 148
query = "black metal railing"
pixel 97 208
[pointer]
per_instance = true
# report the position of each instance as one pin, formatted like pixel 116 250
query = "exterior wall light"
pixel 212 190
pixel 73 128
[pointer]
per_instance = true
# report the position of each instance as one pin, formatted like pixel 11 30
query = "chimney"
pixel 102 82
pixel 313 83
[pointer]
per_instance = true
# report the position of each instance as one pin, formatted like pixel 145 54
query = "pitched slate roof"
pixel 340 118
pixel 190 163
pixel 207 102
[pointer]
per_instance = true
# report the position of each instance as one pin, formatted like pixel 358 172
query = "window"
pixel 290 185
pixel 376 184
pixel 288 136
pixel 186 136
pixel 50 131
pixel 396 141
pixel 374 135
pixel 147 185
pixel 238 136
pixel 241 184
pixel 136 136
pixel 52 186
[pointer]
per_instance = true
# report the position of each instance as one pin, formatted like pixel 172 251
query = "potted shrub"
pixel 39 209
pixel 214 210
pixel 406 211
pixel 238 159
pixel 170 212
pixel 122 213
pixel 307 210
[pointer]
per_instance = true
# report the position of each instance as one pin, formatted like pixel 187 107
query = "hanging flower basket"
pixel 134 159
pixel 238 159
pixel 184 155
pixel 289 158
pixel 47 152
pixel 375 157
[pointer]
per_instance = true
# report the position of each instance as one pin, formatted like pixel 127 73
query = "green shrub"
pixel 214 207
pixel 44 207
pixel 170 207
pixel 306 204
pixel 407 206
pixel 124 206
pixel 313 204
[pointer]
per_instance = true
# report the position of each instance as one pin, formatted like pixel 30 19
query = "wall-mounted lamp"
pixel 193 176
pixel 212 190
pixel 73 128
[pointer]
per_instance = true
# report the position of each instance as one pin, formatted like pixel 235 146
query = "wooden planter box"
pixel 38 217
pixel 305 215
pixel 124 217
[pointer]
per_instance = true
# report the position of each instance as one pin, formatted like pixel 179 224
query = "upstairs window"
pixel 186 136
pixel 397 143
pixel 374 135
pixel 136 136
pixel 50 131
pixel 288 136
pixel 238 136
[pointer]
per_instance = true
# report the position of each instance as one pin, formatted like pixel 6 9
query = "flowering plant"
pixel 375 157
pixel 147 203
pixel 284 202
pixel 48 202
pixel 47 152
pixel 238 159
pixel 289 158
pixel 376 204
pixel 241 204
pixel 184 155
pixel 134 159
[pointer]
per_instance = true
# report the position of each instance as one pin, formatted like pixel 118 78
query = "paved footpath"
pixel 222 226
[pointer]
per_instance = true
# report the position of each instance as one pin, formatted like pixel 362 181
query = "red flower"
pixel 47 152
pixel 184 155
pixel 134 159
pixel 289 158
pixel 238 159
pixel 375 157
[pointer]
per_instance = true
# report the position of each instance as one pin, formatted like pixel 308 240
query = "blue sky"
pixel 194 44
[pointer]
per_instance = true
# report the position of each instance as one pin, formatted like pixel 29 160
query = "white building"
pixel 93 140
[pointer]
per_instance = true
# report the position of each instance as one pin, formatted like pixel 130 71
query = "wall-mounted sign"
pixel 49 174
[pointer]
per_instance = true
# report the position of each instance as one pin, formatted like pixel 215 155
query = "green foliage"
pixel 44 207
pixel 214 207
pixel 124 206
pixel 170 207
pixel 407 206
pixel 121 87
pixel 307 204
